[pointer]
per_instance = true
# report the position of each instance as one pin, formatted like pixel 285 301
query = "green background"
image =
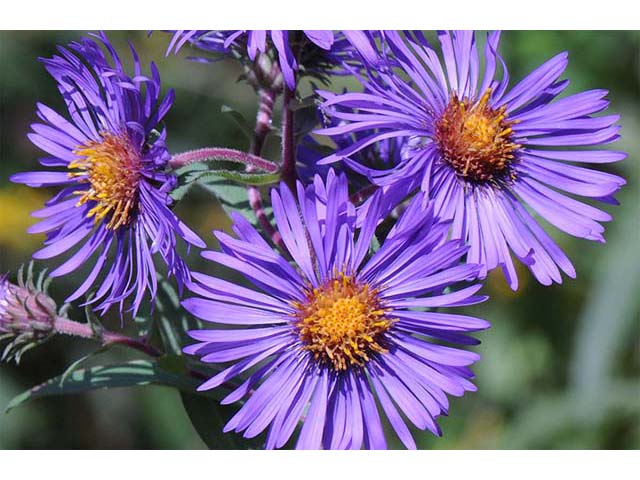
pixel 560 367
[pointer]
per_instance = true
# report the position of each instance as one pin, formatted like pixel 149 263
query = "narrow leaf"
pixel 129 374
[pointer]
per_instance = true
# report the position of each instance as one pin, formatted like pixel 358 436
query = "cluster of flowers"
pixel 438 173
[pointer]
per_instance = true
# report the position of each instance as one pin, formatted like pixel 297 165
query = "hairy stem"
pixel 105 337
pixel 260 132
pixel 263 121
pixel 222 154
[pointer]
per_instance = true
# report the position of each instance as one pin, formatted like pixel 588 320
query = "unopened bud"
pixel 264 74
pixel 27 316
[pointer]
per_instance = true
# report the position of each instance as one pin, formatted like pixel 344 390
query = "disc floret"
pixel 475 139
pixel 112 167
pixel 342 322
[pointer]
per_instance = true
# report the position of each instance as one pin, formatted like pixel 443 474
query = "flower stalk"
pixel 224 155
pixel 260 132
pixel 66 326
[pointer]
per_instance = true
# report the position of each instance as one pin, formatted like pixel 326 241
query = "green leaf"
pixel 144 321
pixel 176 364
pixel 202 173
pixel 239 119
pixel 74 366
pixel 181 191
pixel 172 320
pixel 247 178
pixel 129 374
pixel 187 177
pixel 209 417
pixel 92 319
pixel 307 102
pixel 232 198
pixel 238 176
pixel 305 119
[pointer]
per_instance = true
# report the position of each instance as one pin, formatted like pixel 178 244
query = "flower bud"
pixel 27 316
pixel 264 74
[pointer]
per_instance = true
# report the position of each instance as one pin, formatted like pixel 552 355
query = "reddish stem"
pixel 263 121
pixel 106 338
pixel 260 132
pixel 84 330
pixel 223 154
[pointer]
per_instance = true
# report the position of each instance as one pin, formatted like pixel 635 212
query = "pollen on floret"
pixel 112 168
pixel 342 322
pixel 475 139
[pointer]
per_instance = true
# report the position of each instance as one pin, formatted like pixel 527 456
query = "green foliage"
pixel 129 374
pixel 232 198
pixel 209 417
pixel 239 120
pixel 214 173
pixel 171 320
pixel 305 116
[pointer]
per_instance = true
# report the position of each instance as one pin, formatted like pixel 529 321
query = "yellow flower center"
pixel 475 139
pixel 342 322
pixel 112 169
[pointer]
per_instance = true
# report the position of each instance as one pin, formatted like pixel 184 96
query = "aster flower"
pixel 342 335
pixel 484 152
pixel 220 41
pixel 114 181
pixel 210 40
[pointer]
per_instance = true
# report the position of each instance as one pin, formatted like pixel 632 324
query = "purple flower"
pixel 210 40
pixel 114 180
pixel 386 153
pixel 220 41
pixel 343 335
pixel 310 152
pixel 483 152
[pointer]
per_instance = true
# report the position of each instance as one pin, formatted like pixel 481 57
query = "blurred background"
pixel 560 367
